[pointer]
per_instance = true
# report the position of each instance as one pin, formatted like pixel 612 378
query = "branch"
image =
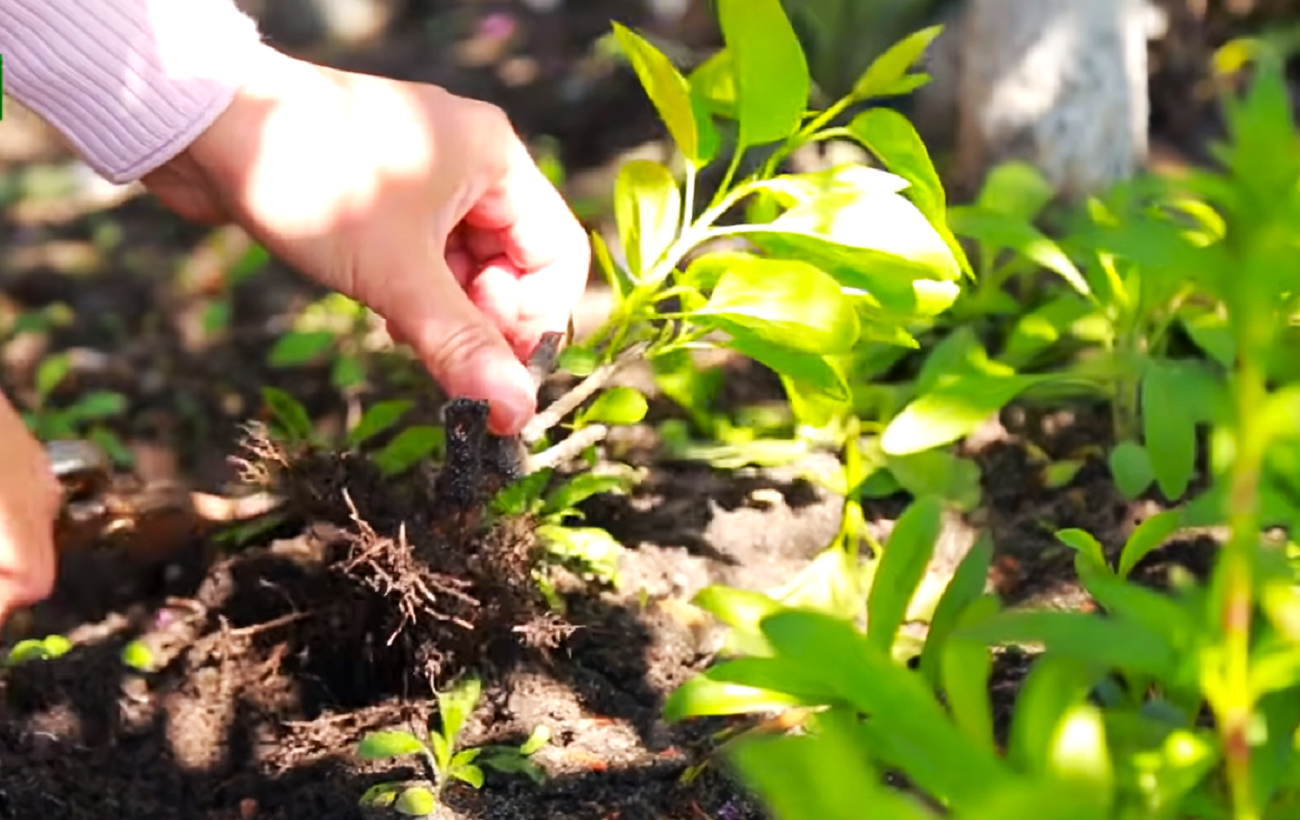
pixel 561 407
pixel 567 449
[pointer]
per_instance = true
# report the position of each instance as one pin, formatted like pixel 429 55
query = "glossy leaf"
pixel 951 411
pixel 787 303
pixel 713 693
pixel 885 74
pixel 714 82
pixel 1054 685
pixel 648 209
pixel 682 112
pixel 900 570
pixel 771 73
pixel 617 405
pixel 894 141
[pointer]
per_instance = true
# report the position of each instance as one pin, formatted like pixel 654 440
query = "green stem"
pixel 688 198
pixel 1237 569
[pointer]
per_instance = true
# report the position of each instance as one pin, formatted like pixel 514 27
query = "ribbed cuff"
pixel 130 83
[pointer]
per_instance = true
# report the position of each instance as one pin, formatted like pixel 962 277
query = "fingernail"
pixel 516 401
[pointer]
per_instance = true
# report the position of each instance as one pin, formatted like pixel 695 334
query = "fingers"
pixel 459 344
pixel 527 218
pixel 29 502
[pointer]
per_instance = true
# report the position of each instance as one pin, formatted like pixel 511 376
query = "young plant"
pixel 437 749
pixel 51 646
pixel 83 418
pixel 1111 721
pixel 826 259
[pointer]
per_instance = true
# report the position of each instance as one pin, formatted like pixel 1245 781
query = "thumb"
pixel 460 347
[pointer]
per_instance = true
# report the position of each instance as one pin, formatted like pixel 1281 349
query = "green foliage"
pixel 1182 294
pixel 85 417
pixel 446 763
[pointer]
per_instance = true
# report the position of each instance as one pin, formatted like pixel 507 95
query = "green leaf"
pixel 1083 542
pixel 648 210
pixel 457 703
pixel 809 371
pixel 937 757
pixel 1078 755
pixel 1211 333
pixel 539 738
pixel 416 801
pixel 891 138
pixel 937 472
pixel 577 360
pixel 412 445
pixel 886 72
pixel 1169 426
pixel 617 405
pixel 786 303
pixel 900 570
pixel 965 670
pixel 617 278
pixel 999 231
pixel 682 112
pixel 137 655
pixel 1015 189
pixel 771 72
pixel 377 419
pixel 347 372
pixel 289 412
pixel 714 82
pixel 827 777
pixel 1108 642
pixel 465 757
pixel 1131 467
pixel 709 694
pixel 97 404
pixel 50 373
pixel 1148 535
pixel 380 795
pixel 861 207
pixel 1054 685
pixel 741 609
pixel 380 745
pixel 468 773
pixel 593 550
pixel 952 410
pixel 965 587
pixel 579 488
pixel 299 347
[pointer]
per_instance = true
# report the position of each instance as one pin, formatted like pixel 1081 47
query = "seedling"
pixel 439 752
pixel 51 646
pixel 83 418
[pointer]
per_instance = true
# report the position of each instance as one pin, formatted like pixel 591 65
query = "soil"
pixel 272 660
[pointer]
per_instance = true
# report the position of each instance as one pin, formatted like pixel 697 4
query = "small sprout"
pixel 52 646
pixel 138 656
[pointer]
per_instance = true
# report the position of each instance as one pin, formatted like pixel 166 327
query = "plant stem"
pixel 1237 569
pixel 688 198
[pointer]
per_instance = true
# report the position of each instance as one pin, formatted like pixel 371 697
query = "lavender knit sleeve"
pixel 130 83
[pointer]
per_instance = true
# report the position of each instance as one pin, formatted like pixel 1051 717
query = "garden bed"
pixel 273 660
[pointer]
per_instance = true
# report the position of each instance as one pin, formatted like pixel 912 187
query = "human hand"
pixel 420 204
pixel 30 495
